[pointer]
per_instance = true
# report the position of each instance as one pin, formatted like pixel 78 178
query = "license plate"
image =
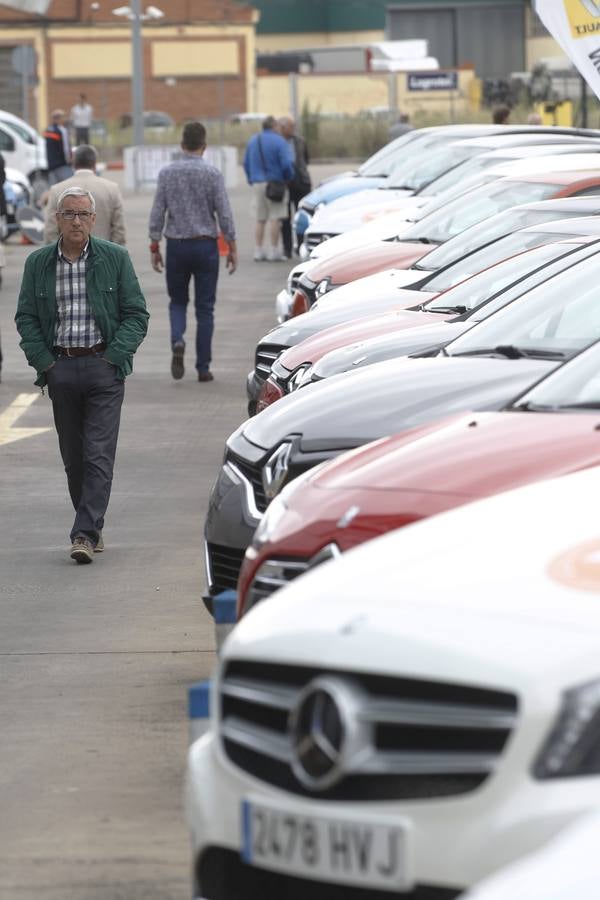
pixel 364 850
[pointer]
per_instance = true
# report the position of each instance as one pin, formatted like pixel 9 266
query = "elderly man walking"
pixel 191 196
pixel 81 315
pixel 268 158
pixel 110 223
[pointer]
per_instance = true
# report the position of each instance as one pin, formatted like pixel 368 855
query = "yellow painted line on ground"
pixel 19 406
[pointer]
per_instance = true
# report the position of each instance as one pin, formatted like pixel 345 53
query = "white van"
pixel 22 147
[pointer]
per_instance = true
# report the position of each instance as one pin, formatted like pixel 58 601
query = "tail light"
pixel 270 392
pixel 300 303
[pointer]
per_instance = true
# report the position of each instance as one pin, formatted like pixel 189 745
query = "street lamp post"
pixel 136 17
pixel 137 73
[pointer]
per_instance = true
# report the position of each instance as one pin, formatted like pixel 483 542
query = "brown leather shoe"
pixel 82 551
pixel 206 376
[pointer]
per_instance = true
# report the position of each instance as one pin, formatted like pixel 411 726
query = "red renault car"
pixel 551 430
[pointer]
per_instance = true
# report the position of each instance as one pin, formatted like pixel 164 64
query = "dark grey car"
pixel 481 370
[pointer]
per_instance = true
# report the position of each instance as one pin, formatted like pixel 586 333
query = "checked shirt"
pixel 75 323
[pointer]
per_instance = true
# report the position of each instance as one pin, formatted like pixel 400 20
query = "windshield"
pixel 406 175
pixel 479 204
pixel 486 284
pixel 470 168
pixel 382 162
pixel 576 384
pixel 487 231
pixel 491 254
pixel 559 315
pixel 18 129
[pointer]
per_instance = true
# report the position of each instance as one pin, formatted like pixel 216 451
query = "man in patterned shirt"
pixel 191 196
pixel 81 316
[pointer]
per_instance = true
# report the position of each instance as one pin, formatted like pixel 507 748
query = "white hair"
pixel 75 192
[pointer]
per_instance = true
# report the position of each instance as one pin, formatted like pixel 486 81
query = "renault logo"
pixel 326 733
pixel 275 470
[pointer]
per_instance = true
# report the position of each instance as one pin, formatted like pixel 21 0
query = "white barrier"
pixel 142 164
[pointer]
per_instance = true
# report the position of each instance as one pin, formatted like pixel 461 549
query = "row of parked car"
pixel 415 717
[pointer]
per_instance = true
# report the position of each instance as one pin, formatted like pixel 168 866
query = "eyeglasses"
pixel 70 214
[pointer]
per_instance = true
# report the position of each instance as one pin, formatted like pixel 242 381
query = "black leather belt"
pixel 81 351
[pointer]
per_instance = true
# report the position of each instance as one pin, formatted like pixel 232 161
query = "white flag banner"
pixel 575 25
pixel 29 6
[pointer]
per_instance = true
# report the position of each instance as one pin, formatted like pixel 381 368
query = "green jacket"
pixel 113 292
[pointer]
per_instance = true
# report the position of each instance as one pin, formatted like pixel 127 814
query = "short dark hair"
pixel 269 122
pixel 194 136
pixel 85 157
pixel 500 114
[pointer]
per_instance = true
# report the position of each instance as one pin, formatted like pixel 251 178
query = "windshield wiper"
pixel 589 405
pixel 531 407
pixel 512 352
pixel 459 310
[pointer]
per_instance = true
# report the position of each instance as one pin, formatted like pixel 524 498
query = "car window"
pixel 479 204
pixel 486 284
pixel 18 129
pixel 592 191
pixel 470 168
pixel 491 254
pixel 382 162
pixel 7 142
pixel 433 164
pixel 576 383
pixel 563 314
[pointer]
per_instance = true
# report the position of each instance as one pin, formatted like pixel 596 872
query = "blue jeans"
pixel 199 258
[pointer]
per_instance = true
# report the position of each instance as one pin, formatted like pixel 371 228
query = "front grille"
pixel 276 573
pixel 315 238
pixel 424 739
pixel 253 474
pixel 222 875
pixel 266 354
pixel 225 563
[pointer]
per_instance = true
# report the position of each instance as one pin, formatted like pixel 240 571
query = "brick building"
pixel 198 58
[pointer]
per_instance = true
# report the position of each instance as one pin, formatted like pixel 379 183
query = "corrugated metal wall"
pixel 488 36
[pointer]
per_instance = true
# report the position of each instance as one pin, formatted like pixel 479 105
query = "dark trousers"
pixel 286 224
pixel 200 259
pixel 82 136
pixel 87 395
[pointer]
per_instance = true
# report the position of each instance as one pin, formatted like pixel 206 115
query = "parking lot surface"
pixel 95 660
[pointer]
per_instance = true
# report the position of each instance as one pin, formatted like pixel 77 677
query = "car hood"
pixel 425 333
pixel 356 210
pixel 413 594
pixel 472 455
pixel 356 407
pixel 331 315
pixel 337 187
pixel 384 227
pixel 362 261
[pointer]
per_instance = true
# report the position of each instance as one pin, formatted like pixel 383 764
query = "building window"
pixel 536 26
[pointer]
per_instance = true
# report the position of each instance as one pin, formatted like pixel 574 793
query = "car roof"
pixel 585 225
pixel 552 163
pixel 554 177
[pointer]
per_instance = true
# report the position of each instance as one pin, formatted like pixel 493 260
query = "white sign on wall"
pixel 29 6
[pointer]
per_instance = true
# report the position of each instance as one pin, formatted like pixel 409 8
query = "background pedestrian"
pixel 110 222
pixel 501 115
pixel 191 204
pixel 81 120
pixel 300 185
pixel 268 158
pixel 58 148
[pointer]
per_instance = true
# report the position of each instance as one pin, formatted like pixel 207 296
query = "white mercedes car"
pixel 413 716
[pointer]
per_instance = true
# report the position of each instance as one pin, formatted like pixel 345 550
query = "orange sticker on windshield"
pixel 578 567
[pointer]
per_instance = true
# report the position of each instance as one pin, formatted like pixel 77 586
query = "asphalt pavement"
pixel 95 660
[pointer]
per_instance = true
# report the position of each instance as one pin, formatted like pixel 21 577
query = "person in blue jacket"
pixel 268 158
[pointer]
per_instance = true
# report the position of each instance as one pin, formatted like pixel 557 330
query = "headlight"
pixel 573 747
pixel 298 378
pixel 269 522
pixel 322 287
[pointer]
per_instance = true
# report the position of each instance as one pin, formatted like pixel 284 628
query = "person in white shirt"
pixel 81 120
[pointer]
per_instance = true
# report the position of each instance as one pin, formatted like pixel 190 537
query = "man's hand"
pixel 156 258
pixel 232 257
